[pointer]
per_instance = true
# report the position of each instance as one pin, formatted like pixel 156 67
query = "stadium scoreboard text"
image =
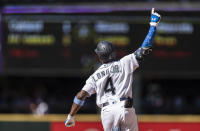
pixel 65 43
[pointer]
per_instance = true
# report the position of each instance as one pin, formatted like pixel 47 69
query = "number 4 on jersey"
pixel 111 89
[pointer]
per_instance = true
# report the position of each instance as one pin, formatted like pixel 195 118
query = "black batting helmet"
pixel 106 51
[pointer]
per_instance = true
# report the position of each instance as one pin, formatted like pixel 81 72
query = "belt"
pixel 121 99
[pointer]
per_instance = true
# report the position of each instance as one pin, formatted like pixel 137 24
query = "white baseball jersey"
pixel 112 80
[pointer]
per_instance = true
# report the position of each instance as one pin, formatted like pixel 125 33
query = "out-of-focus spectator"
pixel 40 95
pixel 179 104
pixel 153 101
pixel 39 109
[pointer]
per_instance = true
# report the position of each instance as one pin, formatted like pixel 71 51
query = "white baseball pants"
pixel 116 117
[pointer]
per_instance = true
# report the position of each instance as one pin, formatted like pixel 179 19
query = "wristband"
pixel 69 116
pixel 78 101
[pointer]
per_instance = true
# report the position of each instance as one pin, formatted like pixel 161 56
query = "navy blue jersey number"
pixel 111 89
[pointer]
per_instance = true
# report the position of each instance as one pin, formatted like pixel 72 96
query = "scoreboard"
pixel 65 43
pixel 53 43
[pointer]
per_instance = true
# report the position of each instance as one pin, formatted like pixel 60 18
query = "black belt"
pixel 121 99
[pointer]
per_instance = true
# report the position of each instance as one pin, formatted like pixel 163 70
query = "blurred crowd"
pixel 55 95
pixel 40 95
pixel 171 97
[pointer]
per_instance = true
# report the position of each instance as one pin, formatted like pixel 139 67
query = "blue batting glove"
pixel 155 18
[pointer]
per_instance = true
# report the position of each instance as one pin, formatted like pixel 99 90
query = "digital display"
pixel 176 48
pixel 66 43
pixel 44 44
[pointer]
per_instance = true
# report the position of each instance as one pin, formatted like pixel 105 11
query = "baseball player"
pixel 112 83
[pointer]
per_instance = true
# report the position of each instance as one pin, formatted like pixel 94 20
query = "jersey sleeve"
pixel 90 86
pixel 129 63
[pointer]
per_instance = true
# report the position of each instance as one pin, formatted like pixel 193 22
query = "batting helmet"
pixel 106 51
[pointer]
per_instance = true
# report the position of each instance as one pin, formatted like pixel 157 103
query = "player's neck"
pixel 101 61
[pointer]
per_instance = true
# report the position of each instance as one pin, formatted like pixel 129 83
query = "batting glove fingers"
pixel 155 18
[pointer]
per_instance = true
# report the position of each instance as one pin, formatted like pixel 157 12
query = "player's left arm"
pixel 147 44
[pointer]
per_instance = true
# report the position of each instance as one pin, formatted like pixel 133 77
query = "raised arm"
pixel 147 44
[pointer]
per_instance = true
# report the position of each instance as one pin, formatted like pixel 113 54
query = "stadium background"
pixel 47 54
